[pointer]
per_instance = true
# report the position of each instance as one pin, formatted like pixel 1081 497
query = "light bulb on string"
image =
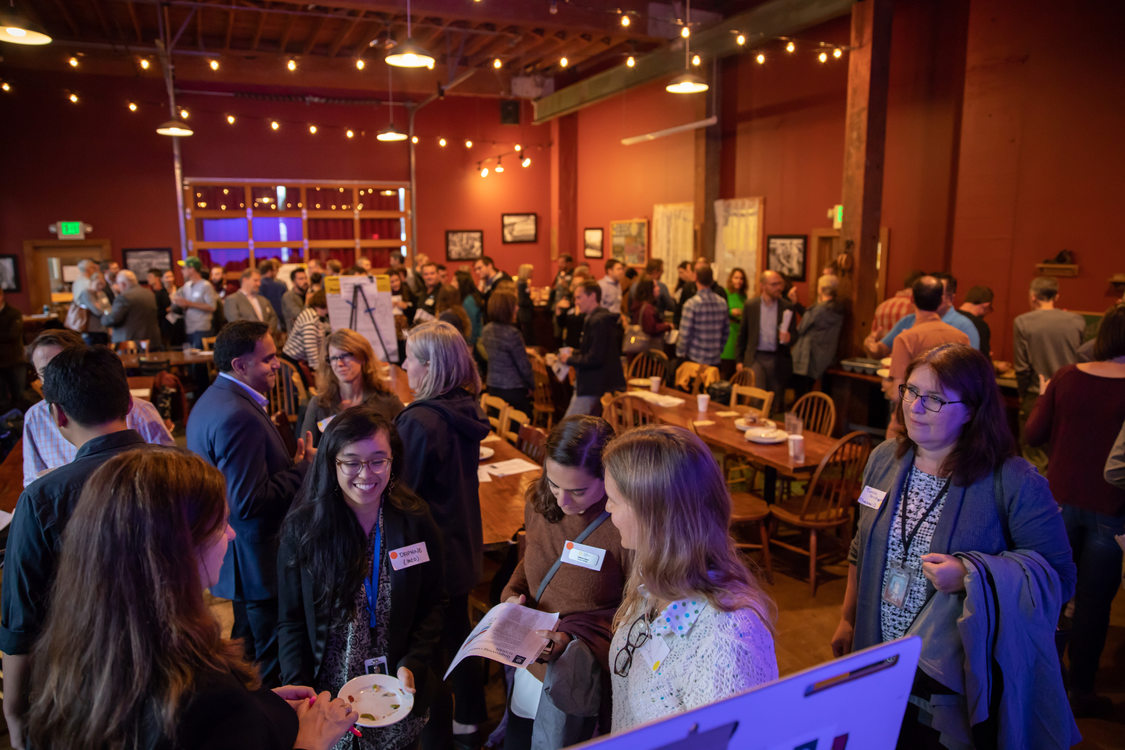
pixel 350 133
pixel 837 53
pixel 822 57
pixel 230 119
pixel 468 143
pixel 214 64
pixel 292 65
pixel 73 98
pixel 790 47
pixel 144 63
pixel 413 139
pixel 526 162
pixel 184 114
pixel 360 64
pixel 72 62
pixel 518 148
pixel 685 31
pixel 312 129
pixel 695 60
pixel 274 125
pixel 497 63
pixel 441 142
pixel 631 62
pixel 740 40
pixel 499 165
pixel 625 20
pixel 132 106
pixel 5 86
pixel 563 62
pixel 761 58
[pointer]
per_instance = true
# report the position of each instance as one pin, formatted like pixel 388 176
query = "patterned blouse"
pixel 923 488
pixel 351 642
pixel 711 655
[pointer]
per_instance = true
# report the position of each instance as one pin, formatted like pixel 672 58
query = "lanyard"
pixel 908 539
pixel 371 583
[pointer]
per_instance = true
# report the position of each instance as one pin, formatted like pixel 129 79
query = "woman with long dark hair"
pixel 960 541
pixel 709 620
pixel 348 375
pixel 567 505
pixel 343 600
pixel 473 303
pixel 133 656
pixel 509 368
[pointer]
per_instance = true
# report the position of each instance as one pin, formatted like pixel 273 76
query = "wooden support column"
pixel 564 188
pixel 708 150
pixel 864 139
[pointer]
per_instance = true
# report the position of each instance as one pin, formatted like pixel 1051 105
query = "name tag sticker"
pixel 322 425
pixel 653 653
pixel 583 555
pixel 872 497
pixel 408 557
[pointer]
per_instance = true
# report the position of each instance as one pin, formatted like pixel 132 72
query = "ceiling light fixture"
pixel 144 63
pixel 631 62
pixel 292 65
pixel 499 165
pixel 230 119
pixel 409 54
pixel 360 64
pixel 72 62
pixel 17 30
pixel 175 128
pixel 688 82
pixel 390 134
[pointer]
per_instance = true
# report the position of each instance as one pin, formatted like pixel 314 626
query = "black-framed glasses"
pixel 351 468
pixel 909 394
pixel 635 639
pixel 341 357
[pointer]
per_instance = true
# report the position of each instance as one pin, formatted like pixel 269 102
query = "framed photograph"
pixel 140 260
pixel 9 273
pixel 593 242
pixel 516 228
pixel 629 241
pixel 464 244
pixel 785 253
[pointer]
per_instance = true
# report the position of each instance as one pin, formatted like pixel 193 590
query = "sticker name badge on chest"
pixel 872 497
pixel 409 556
pixel 583 555
pixel 653 653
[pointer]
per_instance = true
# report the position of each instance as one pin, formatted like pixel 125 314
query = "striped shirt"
pixel 892 310
pixel 703 328
pixel 45 448
pixel 306 338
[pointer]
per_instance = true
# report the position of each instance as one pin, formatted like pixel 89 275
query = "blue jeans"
pixel 1099 576
pixel 584 405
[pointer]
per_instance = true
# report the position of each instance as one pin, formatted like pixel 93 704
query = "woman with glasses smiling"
pixel 960 542
pixel 695 625
pixel 360 577
pixel 348 375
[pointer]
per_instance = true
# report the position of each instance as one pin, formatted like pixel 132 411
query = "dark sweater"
pixel 508 363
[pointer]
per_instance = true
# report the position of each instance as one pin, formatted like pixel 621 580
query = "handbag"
pixel 636 340
pixel 77 318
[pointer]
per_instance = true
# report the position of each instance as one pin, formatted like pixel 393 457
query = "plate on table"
pixel 766 435
pixel 379 699
pixel 744 424
pixel 640 382
pixel 486 452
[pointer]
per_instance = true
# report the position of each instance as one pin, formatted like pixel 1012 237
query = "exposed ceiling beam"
pixel 343 37
pixel 258 32
pixel 761 24
pixel 230 27
pixel 311 41
pixel 67 17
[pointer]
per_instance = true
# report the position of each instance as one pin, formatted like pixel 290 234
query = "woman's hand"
pixel 296 695
pixel 556 644
pixel 946 572
pixel 842 639
pixel 305 450
pixel 321 724
pixel 406 677
pixel 516 599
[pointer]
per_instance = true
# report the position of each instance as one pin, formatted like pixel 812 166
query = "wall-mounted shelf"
pixel 1057 269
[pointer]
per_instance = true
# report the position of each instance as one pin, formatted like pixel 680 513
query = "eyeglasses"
pixel 352 468
pixel 635 640
pixel 909 394
pixel 345 357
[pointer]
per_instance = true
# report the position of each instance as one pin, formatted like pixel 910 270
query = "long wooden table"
pixel 722 434
pixel 174 358
pixel 11 477
pixel 501 500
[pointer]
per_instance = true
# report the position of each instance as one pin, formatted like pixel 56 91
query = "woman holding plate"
pixel 360 577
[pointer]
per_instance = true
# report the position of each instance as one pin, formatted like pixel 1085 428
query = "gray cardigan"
pixel 969 522
pixel 818 335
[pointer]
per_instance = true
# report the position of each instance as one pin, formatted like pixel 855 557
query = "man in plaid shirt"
pixel 705 323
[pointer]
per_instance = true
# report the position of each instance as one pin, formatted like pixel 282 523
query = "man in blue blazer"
pixel 231 429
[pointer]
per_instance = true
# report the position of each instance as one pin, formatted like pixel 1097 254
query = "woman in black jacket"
pixel 360 572
pixel 441 431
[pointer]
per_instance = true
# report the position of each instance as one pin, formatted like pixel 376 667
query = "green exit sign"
pixel 71 230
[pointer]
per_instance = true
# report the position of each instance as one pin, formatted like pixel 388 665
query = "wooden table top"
pixel 174 357
pixel 399 384
pixel 724 435
pixel 11 477
pixel 501 500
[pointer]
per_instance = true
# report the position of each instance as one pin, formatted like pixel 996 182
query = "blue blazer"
pixel 232 433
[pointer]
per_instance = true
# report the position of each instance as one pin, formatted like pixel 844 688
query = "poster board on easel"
pixel 853 703
pixel 363 303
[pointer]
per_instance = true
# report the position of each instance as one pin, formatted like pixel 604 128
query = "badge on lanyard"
pixel 653 653
pixel 898 585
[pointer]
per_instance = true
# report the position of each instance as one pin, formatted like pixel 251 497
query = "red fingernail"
pixel 355 731
pixel 312 700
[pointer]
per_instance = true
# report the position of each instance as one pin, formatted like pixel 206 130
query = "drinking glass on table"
pixel 793 424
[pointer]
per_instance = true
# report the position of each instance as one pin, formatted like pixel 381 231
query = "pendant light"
pixel 175 127
pixel 15 29
pixel 688 82
pixel 409 54
pixel 390 134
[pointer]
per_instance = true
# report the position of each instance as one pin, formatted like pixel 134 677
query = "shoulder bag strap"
pixel 1002 505
pixel 558 563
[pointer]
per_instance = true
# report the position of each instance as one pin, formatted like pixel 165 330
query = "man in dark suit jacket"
pixel 598 359
pixel 248 304
pixel 763 342
pixel 133 315
pixel 230 428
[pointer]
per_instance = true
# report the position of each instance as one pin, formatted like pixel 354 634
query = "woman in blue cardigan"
pixel 936 502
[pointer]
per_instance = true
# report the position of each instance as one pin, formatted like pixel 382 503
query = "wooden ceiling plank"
pixel 261 25
pixel 96 5
pixel 342 38
pixel 61 5
pixel 136 21
pixel 284 41
pixel 230 27
pixel 199 29
pixel 311 41
pixel 372 31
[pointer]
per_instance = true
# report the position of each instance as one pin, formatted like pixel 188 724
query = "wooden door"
pixel 53 266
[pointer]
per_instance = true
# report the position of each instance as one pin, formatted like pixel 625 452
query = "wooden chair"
pixel 287 393
pixel 542 406
pixel 817 412
pixel 511 423
pixel 627 411
pixel 757 399
pixel 751 510
pixel 827 502
pixel 208 343
pixel 649 363
pixel 745 376
pixel 126 347
pixel 532 443
pixel 495 408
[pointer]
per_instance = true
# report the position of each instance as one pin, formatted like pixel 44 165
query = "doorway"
pixel 53 267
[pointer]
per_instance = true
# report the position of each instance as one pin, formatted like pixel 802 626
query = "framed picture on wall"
pixel 464 244
pixel 785 253
pixel 140 260
pixel 593 242
pixel 9 273
pixel 629 241
pixel 516 228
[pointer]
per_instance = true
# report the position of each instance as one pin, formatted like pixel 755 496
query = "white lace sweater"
pixel 711 655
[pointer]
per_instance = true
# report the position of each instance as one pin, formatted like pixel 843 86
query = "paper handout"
pixel 507 634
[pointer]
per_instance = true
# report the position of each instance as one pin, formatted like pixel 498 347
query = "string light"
pixel 441 142
pixel 483 170
pixel 132 106
pixel 761 58
pixel 73 62
pixel 837 53
pixel 144 63
pixel 790 48
pixel 184 114
pixel 496 63
pixel 822 57
pixel 413 139
pixel 274 124
pixel 526 162
pixel 5 86
pixel 468 143
pixel 214 64
pixel 230 119
pixel 499 165
pixel 360 64
pixel 631 62
pixel 695 60
pixel 740 40
pixel 685 31
pixel 518 148
pixel 625 21
pixel 564 62
pixel 292 65
pixel 312 129
pixel 350 133
pixel 73 98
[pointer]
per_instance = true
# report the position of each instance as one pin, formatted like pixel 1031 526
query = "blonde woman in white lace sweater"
pixel 695 625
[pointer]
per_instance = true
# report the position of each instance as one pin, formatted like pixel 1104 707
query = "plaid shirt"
pixel 703 328
pixel 891 311
pixel 45 448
